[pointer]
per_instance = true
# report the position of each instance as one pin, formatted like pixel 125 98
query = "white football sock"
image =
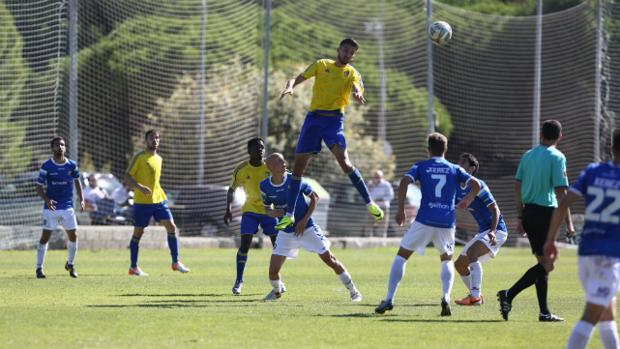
pixel 396 274
pixel 346 280
pixel 608 331
pixel 467 281
pixel 580 336
pixel 72 246
pixel 41 251
pixel 476 278
pixel 447 279
pixel 275 284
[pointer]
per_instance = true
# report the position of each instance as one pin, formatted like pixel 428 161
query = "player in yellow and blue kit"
pixel 335 81
pixel 248 175
pixel 150 200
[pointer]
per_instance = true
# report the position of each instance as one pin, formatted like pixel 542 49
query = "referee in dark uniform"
pixel 541 182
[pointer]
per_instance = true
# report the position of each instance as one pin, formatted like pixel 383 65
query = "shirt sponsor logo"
pixel 438 205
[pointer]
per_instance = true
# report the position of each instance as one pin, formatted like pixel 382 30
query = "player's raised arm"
pixel 290 85
pixel 475 186
pixel 358 89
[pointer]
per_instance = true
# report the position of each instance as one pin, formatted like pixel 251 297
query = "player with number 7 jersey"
pixel 436 218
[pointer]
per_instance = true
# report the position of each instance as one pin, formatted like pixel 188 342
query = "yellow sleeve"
pixel 357 81
pixel 234 182
pixel 310 71
pixel 132 169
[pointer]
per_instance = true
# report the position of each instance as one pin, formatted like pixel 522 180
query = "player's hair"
pixel 551 130
pixel 349 41
pixel 56 139
pixel 471 159
pixel 437 144
pixel 254 140
pixel 615 141
pixel 149 132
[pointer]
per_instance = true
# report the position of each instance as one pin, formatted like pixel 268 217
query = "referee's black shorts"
pixel 536 220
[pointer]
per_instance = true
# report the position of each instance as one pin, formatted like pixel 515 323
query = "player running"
pixel 335 81
pixel 248 175
pixel 59 174
pixel 599 248
pixel 305 233
pixel 485 245
pixel 435 221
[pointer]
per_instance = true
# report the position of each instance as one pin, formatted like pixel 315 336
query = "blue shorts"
pixel 142 213
pixel 250 222
pixel 326 126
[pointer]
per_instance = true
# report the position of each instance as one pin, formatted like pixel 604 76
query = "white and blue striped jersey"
pixel 599 184
pixel 58 178
pixel 439 180
pixel 479 207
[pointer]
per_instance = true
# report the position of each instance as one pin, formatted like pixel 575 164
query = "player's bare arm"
pixel 494 208
pixel 290 85
pixel 273 212
pixel 301 225
pixel 230 197
pixel 559 214
pixel 51 204
pixel 358 95
pixel 474 184
pixel 402 194
pixel 519 205
pixel 560 193
pixel 80 193
pixel 135 185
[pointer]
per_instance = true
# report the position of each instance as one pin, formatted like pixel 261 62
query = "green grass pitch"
pixel 106 308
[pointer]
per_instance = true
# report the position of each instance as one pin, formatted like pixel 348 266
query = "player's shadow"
pixel 441 320
pixel 352 315
pixel 188 295
pixel 414 305
pixel 174 304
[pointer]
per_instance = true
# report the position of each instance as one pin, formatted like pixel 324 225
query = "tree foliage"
pixel 14 152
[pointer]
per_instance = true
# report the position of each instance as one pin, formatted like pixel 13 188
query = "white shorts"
pixel 419 235
pixel 66 218
pixel 600 278
pixel 312 240
pixel 500 237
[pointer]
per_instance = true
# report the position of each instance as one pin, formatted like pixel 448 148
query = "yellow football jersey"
pixel 332 85
pixel 145 168
pixel 249 177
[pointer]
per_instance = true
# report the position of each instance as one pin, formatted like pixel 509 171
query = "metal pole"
pixel 265 106
pixel 383 84
pixel 201 104
pixel 73 79
pixel 429 68
pixel 597 82
pixel 537 74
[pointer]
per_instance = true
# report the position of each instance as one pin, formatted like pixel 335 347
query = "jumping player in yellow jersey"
pixel 150 200
pixel 248 175
pixel 335 81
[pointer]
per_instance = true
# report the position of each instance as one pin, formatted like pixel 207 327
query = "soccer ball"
pixel 440 32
